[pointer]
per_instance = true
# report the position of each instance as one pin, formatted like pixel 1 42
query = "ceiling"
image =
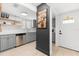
pixel 30 8
pixel 36 4
pixel 59 8
pixel 17 9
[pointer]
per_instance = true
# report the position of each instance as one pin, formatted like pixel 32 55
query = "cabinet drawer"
pixel 12 35
pixel 4 36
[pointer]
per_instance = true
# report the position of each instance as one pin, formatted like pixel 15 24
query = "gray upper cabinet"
pixel 7 41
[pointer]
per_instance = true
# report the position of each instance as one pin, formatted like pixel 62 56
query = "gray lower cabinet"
pixel 3 42
pixel 24 39
pixel 11 41
pixel 30 36
pixel 7 41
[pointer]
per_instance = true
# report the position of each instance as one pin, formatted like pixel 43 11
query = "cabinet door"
pixel 28 37
pixel 4 42
pixel 31 36
pixel 11 41
pixel 24 39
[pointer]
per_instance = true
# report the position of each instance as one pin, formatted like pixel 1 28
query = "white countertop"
pixel 31 30
pixel 17 31
pixel 13 32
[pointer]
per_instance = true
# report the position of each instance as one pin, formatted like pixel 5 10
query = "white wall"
pixel 73 29
pixel 29 24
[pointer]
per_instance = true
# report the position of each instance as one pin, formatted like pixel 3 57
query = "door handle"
pixel 52 30
pixel 60 32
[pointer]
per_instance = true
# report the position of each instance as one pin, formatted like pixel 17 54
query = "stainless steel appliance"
pixel 20 39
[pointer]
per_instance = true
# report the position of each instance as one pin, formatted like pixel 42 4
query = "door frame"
pixel 50 33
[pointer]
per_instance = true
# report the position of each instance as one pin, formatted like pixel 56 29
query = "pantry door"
pixel 43 31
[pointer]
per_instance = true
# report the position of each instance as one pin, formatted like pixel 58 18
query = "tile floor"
pixel 30 50
pixel 60 51
pixel 25 50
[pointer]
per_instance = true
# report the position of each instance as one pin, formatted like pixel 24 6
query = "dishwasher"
pixel 20 39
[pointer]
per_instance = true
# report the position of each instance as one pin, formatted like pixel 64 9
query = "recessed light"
pixel 24 14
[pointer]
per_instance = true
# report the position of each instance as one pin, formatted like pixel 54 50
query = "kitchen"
pixel 14 30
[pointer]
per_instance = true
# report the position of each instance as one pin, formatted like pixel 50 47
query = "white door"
pixel 69 34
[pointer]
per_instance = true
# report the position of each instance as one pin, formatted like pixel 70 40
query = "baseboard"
pixel 42 51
